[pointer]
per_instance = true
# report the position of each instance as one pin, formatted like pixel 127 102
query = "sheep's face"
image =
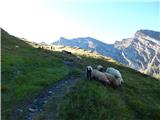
pixel 89 68
pixel 88 72
pixel 100 68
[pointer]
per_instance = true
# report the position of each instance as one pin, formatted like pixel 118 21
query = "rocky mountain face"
pixel 142 52
pixel 92 45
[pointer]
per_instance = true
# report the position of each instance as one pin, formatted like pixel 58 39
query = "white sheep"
pixel 100 68
pixel 88 72
pixel 100 76
pixel 115 73
pixel 115 82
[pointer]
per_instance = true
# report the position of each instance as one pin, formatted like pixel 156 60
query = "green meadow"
pixel 26 71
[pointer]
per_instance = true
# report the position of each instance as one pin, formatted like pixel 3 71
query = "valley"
pixel 30 70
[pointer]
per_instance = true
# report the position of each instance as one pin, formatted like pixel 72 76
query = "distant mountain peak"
pixel 63 38
pixel 124 43
pixel 149 33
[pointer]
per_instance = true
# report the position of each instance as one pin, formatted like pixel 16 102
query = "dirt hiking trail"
pixel 53 93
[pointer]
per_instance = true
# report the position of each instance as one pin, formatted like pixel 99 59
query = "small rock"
pixel 32 110
pixel 35 101
pixel 66 81
pixel 50 92
pixel 17 46
pixel 45 101
pixel 19 110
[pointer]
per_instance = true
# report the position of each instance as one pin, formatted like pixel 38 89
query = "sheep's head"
pixel 100 68
pixel 89 68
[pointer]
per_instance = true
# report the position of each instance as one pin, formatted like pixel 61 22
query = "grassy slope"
pixel 137 99
pixel 25 71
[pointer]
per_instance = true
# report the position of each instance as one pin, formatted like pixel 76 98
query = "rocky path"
pixel 54 93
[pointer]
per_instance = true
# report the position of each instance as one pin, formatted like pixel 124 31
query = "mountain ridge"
pixel 140 52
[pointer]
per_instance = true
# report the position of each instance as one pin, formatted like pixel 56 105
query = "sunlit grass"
pixel 25 72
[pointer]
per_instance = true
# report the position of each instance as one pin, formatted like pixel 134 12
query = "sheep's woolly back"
pixel 99 76
pixel 115 73
pixel 94 73
pixel 114 81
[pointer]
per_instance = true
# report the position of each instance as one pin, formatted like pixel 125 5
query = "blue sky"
pixel 117 19
pixel 47 20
